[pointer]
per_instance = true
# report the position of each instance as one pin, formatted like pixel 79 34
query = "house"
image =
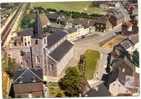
pixel 56 17
pixel 130 27
pixel 122 73
pixel 37 48
pixel 117 16
pixel 77 28
pixel 27 82
pixel 102 24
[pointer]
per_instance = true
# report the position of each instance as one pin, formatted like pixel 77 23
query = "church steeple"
pixel 37 30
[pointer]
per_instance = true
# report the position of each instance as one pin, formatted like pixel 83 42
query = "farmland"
pixel 71 6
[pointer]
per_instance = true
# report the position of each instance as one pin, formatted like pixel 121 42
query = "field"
pixel 71 6
pixel 114 41
pixel 91 57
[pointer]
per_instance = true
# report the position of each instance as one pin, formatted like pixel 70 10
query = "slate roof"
pixel 102 91
pixel 52 29
pixel 102 19
pixel 61 50
pixel 126 43
pixel 55 37
pixel 27 75
pixel 134 38
pixel 52 16
pixel 71 30
pixel 26 32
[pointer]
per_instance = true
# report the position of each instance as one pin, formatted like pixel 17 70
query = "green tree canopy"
pixel 135 58
pixel 70 83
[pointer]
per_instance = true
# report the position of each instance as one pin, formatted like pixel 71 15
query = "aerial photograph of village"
pixel 70 49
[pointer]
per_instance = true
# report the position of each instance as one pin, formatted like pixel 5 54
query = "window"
pixel 37 60
pixel 45 41
pixel 15 43
pixel 28 42
pixel 36 42
pixel 51 67
pixel 25 44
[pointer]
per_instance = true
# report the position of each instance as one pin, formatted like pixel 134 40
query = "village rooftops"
pixel 26 32
pixel 102 19
pixel 71 30
pixel 55 37
pixel 29 32
pixel 82 21
pixel 52 29
pixel 116 13
pixel 61 50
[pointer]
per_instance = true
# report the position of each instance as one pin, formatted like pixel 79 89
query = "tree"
pixel 135 58
pixel 70 83
pixel 9 65
pixel 27 22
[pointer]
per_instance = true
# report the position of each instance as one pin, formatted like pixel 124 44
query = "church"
pixel 34 48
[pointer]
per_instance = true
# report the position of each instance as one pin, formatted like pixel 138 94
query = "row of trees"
pixel 72 14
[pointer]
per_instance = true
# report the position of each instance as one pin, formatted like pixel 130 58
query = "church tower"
pixel 38 45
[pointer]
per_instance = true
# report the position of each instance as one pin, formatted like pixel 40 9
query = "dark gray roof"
pixel 26 32
pixel 102 91
pixel 52 16
pixel 61 50
pixel 25 75
pixel 55 37
pixel 134 38
pixel 71 30
pixel 126 43
pixel 52 29
pixel 102 19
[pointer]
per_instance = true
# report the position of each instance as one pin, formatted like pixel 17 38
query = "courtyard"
pixel 91 58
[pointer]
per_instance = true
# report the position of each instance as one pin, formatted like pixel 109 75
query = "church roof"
pixel 61 50
pixel 55 37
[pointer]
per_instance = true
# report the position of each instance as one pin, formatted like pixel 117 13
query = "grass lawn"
pixel 71 6
pixel 54 89
pixel 91 57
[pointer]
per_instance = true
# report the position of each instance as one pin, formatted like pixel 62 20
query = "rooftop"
pixel 28 75
pixel 55 37
pixel 61 50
